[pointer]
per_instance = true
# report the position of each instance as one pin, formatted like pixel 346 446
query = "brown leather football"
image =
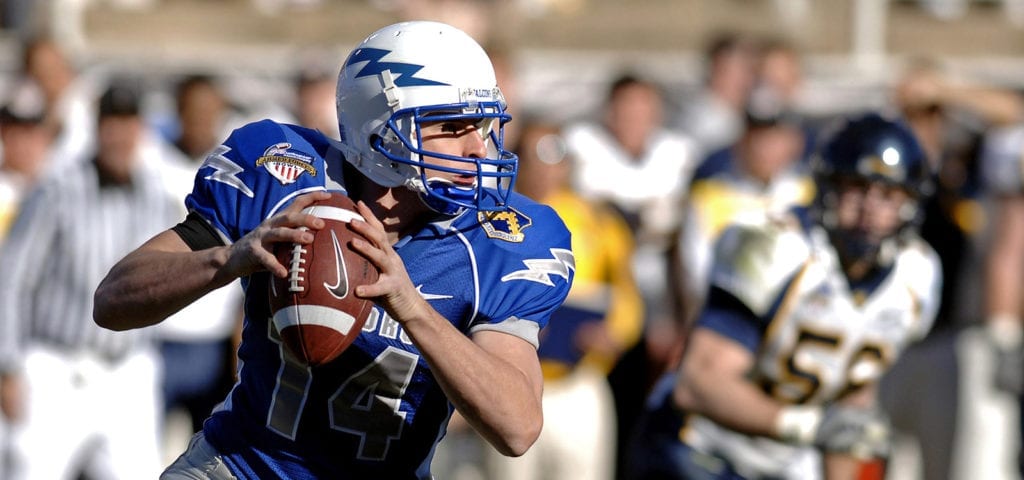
pixel 314 308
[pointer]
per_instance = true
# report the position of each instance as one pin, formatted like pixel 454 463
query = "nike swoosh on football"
pixel 340 288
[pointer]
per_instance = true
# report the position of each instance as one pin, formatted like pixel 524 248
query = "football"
pixel 314 308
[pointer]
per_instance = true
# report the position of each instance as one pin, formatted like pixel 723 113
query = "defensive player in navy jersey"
pixel 806 311
pixel 469 272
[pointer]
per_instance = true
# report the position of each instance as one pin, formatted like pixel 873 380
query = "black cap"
pixel 122 98
pixel 25 104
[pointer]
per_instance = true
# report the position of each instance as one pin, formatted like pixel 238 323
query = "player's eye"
pixel 452 127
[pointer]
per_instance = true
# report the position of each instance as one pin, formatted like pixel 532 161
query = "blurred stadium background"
pixel 565 52
pixel 570 47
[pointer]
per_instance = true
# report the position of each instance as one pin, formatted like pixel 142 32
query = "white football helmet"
pixel 414 72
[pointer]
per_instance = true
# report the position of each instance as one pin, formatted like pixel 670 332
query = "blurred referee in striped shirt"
pixel 82 399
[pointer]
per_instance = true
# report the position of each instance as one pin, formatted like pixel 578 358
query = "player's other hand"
pixel 1008 368
pixel 856 431
pixel 255 251
pixel 393 290
pixel 12 403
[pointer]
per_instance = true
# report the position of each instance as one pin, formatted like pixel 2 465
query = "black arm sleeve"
pixel 197 233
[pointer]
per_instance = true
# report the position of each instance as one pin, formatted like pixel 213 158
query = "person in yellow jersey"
pixel 601 318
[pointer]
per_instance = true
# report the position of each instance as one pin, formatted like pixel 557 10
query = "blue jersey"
pixel 377 411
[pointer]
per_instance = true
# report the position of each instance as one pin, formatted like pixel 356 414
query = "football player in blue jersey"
pixel 469 272
pixel 806 311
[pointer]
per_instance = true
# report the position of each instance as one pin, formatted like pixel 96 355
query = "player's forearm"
pixel 148 286
pixel 734 403
pixel 713 383
pixel 496 397
pixel 1005 262
pixel 1003 287
pixel 994 105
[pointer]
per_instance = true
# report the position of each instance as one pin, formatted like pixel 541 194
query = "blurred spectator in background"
pixel 26 142
pixel 70 111
pixel 956 419
pixel 714 115
pixel 600 320
pixel 203 114
pixel 630 160
pixel 505 69
pixel 759 177
pixel 314 102
pixel 80 397
pixel 1004 267
pixel 950 117
pixel 197 344
pixel 780 71
pixel 780 79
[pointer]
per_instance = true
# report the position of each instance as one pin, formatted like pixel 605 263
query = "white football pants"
pixel 86 414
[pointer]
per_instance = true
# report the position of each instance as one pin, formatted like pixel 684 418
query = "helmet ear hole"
pixel 392 146
pixel 385 143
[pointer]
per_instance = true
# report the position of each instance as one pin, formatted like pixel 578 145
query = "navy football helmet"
pixel 869 149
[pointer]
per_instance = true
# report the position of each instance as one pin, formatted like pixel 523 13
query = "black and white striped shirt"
pixel 70 231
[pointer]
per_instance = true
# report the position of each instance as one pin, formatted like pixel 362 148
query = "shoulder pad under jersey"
pixel 754 261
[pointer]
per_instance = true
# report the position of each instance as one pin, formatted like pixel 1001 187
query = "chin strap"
pixel 447 198
pixel 853 246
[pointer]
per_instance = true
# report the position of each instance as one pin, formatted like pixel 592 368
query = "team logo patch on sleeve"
pixel 285 163
pixel 507 225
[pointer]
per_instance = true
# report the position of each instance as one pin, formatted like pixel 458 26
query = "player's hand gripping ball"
pixel 315 308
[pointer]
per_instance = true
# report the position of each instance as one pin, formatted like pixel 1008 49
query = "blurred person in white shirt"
pixel 70 108
pixel 628 158
pixel 713 115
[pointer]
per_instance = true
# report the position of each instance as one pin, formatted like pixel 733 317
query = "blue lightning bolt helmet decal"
pixel 405 73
